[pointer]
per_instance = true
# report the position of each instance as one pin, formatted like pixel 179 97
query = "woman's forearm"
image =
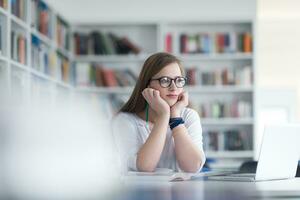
pixel 149 154
pixel 188 155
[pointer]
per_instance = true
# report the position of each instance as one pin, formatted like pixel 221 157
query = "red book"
pixel 225 77
pixel 77 44
pixel 183 43
pixel 109 77
pixel 221 43
pixel 168 43
pixel 191 73
pixel 44 22
pixel 21 44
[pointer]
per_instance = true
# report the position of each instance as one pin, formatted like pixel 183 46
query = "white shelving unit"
pixel 154 41
pixel 22 80
pixel 111 58
pixel 227 121
pixel 191 89
pixel 228 154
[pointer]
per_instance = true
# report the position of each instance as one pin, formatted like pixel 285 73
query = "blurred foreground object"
pixel 56 152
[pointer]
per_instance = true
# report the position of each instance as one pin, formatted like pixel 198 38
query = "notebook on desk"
pixel 169 175
pixel 278 157
pixel 194 176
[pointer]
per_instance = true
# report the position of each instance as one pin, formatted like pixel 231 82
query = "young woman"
pixel 154 129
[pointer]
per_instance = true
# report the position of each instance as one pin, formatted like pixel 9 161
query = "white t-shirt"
pixel 131 132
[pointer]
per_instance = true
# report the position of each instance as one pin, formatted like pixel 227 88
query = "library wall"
pixel 278 45
pixel 136 10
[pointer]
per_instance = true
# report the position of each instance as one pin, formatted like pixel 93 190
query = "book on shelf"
pixel 183 43
pixel 168 43
pixel 53 67
pixel 39 56
pixel 64 71
pixel 41 17
pixel 82 74
pixel 108 77
pixel 196 43
pixel 231 42
pixel 18 8
pixel 226 76
pixel 3 4
pixel 42 59
pixel 191 75
pixel 34 14
pixel 219 109
pixel 18 47
pixel 227 140
pixel 99 43
pixel 62 33
pixel 94 74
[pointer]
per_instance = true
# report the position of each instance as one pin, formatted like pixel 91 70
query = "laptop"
pixel 278 158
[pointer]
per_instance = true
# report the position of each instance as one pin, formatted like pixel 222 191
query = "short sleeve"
pixel 127 141
pixel 194 128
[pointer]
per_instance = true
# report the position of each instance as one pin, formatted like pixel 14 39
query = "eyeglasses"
pixel 166 81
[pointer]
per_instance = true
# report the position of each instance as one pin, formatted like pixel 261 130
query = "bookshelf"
pixel 219 59
pixel 35 58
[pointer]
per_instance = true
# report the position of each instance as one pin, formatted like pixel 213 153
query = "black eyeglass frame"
pixel 172 79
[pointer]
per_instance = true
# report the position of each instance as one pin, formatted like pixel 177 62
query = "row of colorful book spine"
pixel 227 140
pixel 18 8
pixel 66 72
pixel 62 34
pixel 222 76
pixel 223 109
pixel 207 43
pixel 100 43
pixel 93 74
pixel 49 62
pixel 3 4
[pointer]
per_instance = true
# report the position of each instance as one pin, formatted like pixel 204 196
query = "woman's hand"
pixel 183 101
pixel 159 105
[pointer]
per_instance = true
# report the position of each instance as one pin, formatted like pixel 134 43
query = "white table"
pixel 158 187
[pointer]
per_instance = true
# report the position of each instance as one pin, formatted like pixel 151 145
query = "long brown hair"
pixel 152 66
